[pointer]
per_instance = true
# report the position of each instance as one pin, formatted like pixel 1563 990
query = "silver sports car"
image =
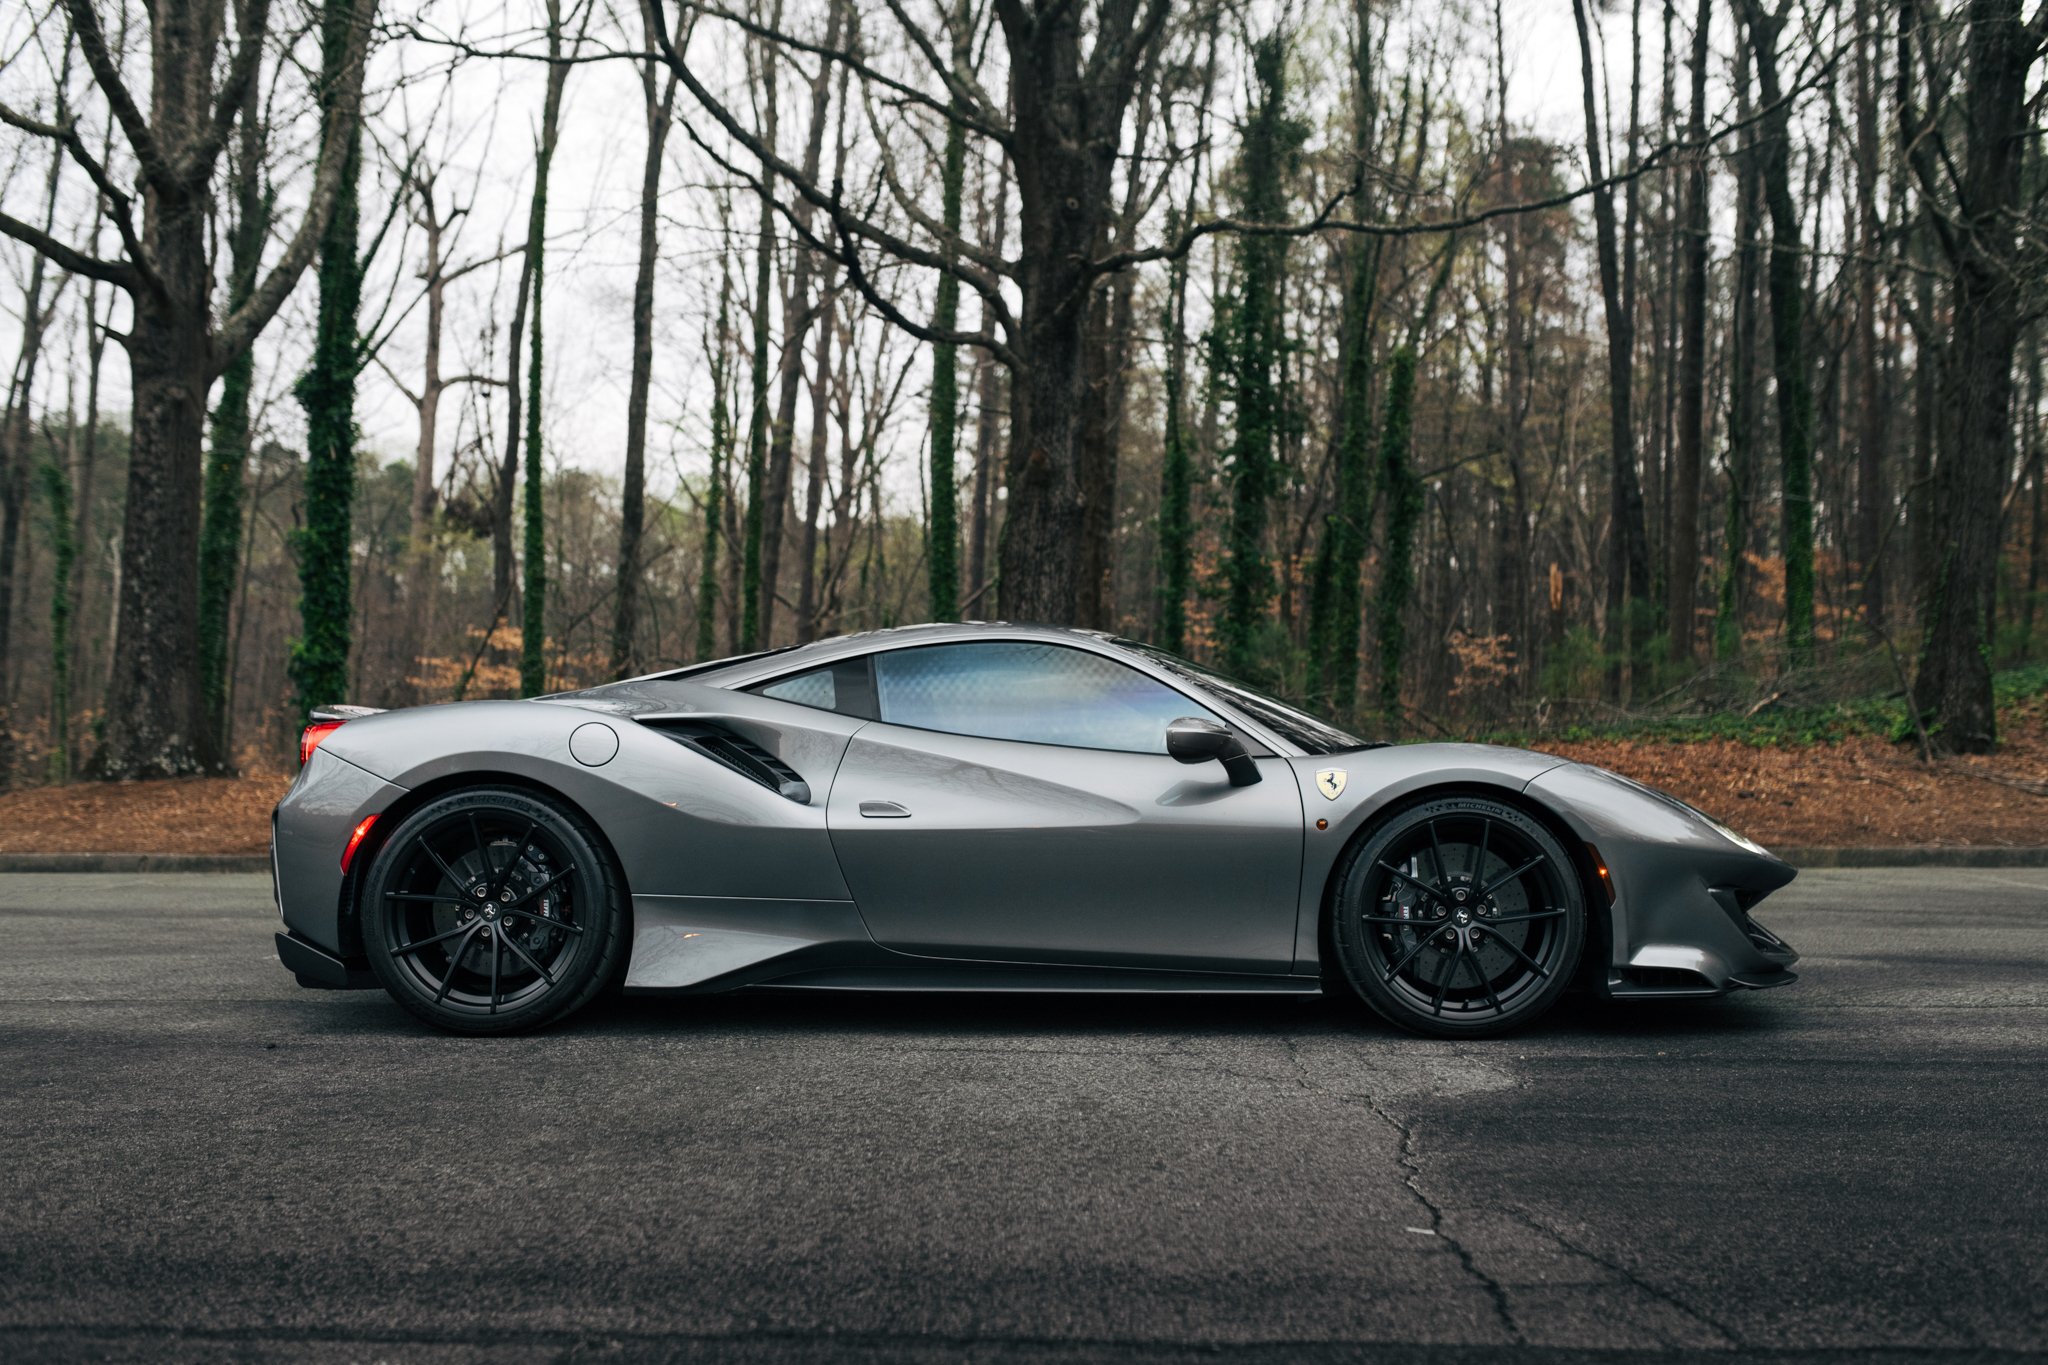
pixel 985 807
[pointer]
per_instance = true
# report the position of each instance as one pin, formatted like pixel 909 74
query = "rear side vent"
pixel 738 753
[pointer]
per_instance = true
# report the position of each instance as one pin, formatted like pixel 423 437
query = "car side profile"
pixel 985 807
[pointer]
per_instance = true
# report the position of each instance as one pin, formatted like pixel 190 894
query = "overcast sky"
pixel 479 129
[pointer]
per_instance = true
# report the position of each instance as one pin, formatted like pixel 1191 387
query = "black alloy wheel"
pixel 1458 918
pixel 492 911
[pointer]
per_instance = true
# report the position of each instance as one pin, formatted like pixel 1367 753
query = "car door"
pixel 1014 802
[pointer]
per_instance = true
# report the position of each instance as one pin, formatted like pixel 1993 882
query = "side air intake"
pixel 737 752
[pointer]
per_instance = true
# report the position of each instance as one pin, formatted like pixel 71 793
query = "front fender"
pixel 1376 780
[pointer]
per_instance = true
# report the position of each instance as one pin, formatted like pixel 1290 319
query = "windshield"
pixel 1297 727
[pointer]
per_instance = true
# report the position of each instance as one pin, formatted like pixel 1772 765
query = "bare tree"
pixel 176 348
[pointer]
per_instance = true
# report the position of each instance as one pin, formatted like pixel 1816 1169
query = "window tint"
pixel 1042 694
pixel 1297 727
pixel 806 689
pixel 845 687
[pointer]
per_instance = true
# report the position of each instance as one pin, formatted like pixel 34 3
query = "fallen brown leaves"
pixel 1862 792
pixel 178 815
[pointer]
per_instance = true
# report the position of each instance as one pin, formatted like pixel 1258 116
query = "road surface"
pixel 200 1161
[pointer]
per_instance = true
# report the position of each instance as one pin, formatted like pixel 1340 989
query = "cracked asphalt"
pixel 200 1161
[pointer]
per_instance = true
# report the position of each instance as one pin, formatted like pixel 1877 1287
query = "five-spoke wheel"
pixel 1458 917
pixel 491 911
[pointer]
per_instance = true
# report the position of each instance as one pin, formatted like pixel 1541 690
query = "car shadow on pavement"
pixel 1106 1017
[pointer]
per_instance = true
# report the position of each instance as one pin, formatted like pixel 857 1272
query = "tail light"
pixel 310 737
pixel 325 721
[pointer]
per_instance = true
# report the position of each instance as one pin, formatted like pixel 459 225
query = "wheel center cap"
pixel 1464 917
pixel 490 912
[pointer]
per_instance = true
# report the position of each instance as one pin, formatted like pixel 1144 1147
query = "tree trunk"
pixel 153 698
pixel 533 673
pixel 943 558
pixel 1954 683
pixel 1742 390
pixel 327 391
pixel 1682 567
pixel 16 458
pixel 1628 561
pixel 757 422
pixel 814 482
pixel 625 655
pixel 1176 482
pixel 1788 334
pixel 1401 495
pixel 708 594
pixel 227 457
pixel 1252 328
pixel 797 316
pixel 503 562
pixel 1872 510
pixel 1065 150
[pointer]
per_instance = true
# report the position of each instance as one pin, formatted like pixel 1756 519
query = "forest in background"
pixel 1268 333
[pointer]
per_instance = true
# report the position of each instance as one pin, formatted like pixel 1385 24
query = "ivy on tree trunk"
pixel 1251 329
pixel 944 556
pixel 1401 495
pixel 319 657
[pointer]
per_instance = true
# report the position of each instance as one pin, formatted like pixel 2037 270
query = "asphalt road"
pixel 198 1160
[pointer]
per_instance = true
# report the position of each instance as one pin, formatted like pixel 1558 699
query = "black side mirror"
pixel 1192 739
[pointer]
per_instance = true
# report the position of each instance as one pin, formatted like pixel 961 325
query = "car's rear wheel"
pixel 492 910
pixel 1458 917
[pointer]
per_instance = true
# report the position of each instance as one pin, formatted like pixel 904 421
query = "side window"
pixel 1037 693
pixel 814 688
pixel 846 687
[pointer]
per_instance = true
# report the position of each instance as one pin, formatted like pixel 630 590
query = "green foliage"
pixel 1248 343
pixel 1348 533
pixel 1824 722
pixel 1574 666
pixel 220 538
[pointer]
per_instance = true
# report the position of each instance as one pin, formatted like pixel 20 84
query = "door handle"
pixel 883 810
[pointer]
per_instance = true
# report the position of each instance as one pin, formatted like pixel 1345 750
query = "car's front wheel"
pixel 1458 917
pixel 492 910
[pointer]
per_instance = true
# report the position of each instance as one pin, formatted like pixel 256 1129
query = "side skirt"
pixel 1044 980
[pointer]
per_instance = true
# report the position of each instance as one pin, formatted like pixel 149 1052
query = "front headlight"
pixel 1741 841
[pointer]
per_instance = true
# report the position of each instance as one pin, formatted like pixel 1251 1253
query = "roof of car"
pixel 861 642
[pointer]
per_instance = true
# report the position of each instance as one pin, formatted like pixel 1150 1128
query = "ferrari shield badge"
pixel 1330 782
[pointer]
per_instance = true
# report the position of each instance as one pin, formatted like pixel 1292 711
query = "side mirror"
pixel 1192 739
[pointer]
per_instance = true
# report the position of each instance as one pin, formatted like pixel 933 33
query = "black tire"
pixel 492 910
pixel 1458 917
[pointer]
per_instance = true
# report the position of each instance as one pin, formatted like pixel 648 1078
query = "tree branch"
pixel 68 257
pixel 979 119
pixel 1326 221
pixel 240 329
pixel 196 162
pixel 902 248
pixel 93 43
pixel 117 199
